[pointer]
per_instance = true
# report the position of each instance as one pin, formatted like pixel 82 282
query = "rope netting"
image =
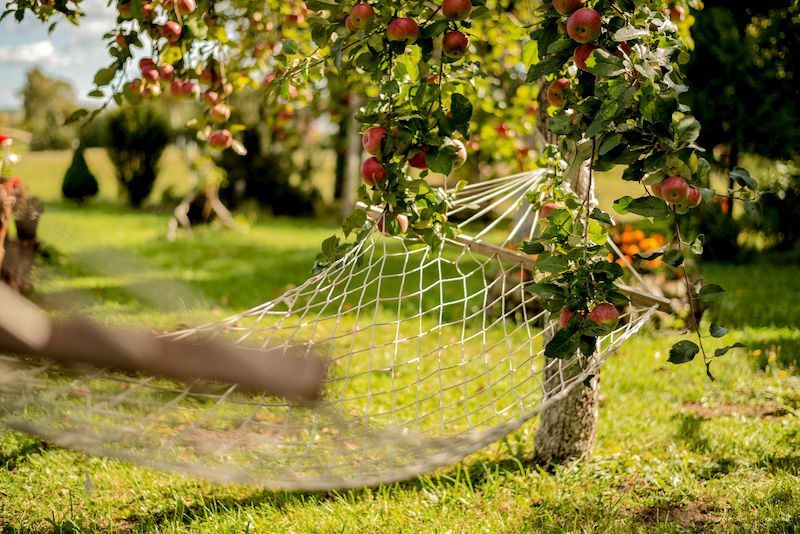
pixel 430 356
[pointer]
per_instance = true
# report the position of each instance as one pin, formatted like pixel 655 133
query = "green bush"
pixel 137 137
pixel 79 182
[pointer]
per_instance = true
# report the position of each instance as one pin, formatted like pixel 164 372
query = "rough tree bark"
pixel 567 428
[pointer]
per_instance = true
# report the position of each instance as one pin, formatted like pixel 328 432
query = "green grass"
pixel 676 452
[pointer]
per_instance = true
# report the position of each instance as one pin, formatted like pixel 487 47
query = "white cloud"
pixel 38 52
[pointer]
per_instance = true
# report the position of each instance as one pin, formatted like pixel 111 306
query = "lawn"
pixel 676 452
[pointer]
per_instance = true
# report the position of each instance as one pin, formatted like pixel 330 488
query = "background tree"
pixel 79 182
pixel 137 137
pixel 47 103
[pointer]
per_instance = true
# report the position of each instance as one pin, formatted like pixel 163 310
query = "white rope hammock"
pixel 429 356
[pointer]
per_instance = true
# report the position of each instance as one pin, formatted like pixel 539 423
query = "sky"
pixel 70 53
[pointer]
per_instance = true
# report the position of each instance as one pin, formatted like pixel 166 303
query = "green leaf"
pixel 547 291
pixel 711 292
pixel 629 33
pixel 723 350
pixel 753 210
pixel 587 345
pixel 531 247
pixel 686 131
pixel 683 352
pixel 697 244
pixel 529 52
pixel 717 331
pixel 601 63
pixel 648 206
pixel 354 221
pixel 76 116
pixel 544 67
pixel 743 178
pixel 290 47
pixel 598 124
pixel 104 76
pixel 552 264
pixel 673 258
pixel 329 247
pixel 621 205
pixel 564 343
pixel 603 217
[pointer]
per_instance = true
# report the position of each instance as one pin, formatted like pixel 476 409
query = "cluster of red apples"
pixel 455 43
pixel 156 78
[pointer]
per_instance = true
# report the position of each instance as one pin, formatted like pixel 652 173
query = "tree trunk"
pixel 353 175
pixel 568 427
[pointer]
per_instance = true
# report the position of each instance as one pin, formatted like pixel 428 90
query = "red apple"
pixel 120 40
pixel 567 6
pixel 220 113
pixel 349 25
pixel 221 139
pixel 585 25
pixel 190 90
pixel 403 29
pixel 387 216
pixel 564 317
pixel 146 62
pixel 674 189
pixel 166 72
pixel 136 86
pixel 550 206
pixel 176 88
pixel 185 7
pixel 581 54
pixel 360 13
pixel 373 172
pixel 656 190
pixel 169 5
pixel 694 197
pixel 623 48
pixel 460 157
pixel 604 314
pixel 456 9
pixel 295 19
pixel 209 77
pixel 171 31
pixel 677 14
pixel 149 74
pixel 562 27
pixel 455 44
pixel 151 92
pixel 554 95
pixel 418 160
pixel 371 141
pixel 210 97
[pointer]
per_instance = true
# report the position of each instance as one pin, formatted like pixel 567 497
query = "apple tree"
pixel 607 79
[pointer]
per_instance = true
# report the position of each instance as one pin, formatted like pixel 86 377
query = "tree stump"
pixel 18 262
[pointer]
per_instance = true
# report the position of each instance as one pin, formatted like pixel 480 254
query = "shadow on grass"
pixel 11 460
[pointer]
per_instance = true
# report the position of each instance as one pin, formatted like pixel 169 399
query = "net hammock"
pixel 428 356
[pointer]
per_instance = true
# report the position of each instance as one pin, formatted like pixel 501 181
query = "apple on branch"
pixel 554 92
pixel 674 189
pixel 373 171
pixel 581 54
pixel 371 141
pixel 456 9
pixel 403 30
pixel 386 218
pixel 171 31
pixel 606 315
pixel 567 6
pixel 585 25
pixel 359 15
pixel 455 44
pixel 220 140
pixel 220 113
pixel 460 157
